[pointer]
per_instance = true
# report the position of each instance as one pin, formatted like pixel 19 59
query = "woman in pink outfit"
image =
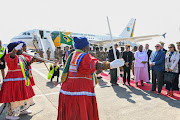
pixel 141 66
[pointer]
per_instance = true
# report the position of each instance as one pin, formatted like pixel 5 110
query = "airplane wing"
pixel 131 39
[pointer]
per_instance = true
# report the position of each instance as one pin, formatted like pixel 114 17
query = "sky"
pixel 89 16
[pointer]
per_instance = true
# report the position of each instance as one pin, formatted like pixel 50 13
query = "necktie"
pixel 66 54
pixel 170 55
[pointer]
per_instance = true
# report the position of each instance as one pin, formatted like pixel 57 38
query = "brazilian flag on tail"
pixel 61 37
pixel 65 39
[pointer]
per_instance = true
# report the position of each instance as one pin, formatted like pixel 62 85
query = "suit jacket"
pixel 149 53
pixel 120 54
pixel 158 60
pixel 128 57
pixel 111 55
pixel 164 50
pixel 65 54
pixel 173 63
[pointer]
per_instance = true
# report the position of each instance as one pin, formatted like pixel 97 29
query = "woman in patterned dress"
pixel 77 99
pixel 16 90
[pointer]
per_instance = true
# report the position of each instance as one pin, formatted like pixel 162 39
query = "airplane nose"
pixel 12 40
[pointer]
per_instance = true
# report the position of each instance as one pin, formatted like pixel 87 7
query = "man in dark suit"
pixel 148 51
pixel 156 62
pixel 113 72
pixel 66 54
pixel 128 58
pixel 121 53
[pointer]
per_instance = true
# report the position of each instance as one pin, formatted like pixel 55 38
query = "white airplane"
pixel 43 39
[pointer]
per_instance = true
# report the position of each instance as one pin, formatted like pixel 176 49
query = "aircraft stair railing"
pixel 41 45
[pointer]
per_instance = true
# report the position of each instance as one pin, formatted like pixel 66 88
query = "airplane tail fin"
pixel 129 29
pixel 164 35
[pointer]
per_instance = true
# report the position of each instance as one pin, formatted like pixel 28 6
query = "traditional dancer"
pixel 77 99
pixel 29 59
pixel 16 90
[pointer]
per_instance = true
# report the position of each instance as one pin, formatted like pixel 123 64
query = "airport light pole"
pixel 114 51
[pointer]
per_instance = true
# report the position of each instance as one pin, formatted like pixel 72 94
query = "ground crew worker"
pixel 2 61
pixel 54 71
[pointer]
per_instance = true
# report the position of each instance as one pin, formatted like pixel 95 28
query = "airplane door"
pixel 41 34
pixel 45 34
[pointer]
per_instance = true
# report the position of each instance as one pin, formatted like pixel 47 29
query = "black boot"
pixel 57 79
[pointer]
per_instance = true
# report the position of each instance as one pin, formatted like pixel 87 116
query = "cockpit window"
pixel 28 33
pixel 24 33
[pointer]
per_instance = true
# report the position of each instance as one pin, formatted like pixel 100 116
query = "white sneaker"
pixel 12 117
pixel 26 112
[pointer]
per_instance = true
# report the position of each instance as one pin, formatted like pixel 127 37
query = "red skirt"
pixel 32 80
pixel 77 100
pixel 14 89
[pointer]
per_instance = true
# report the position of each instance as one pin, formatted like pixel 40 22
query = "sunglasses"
pixel 170 47
pixel 156 46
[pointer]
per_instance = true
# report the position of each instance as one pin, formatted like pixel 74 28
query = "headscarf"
pixel 80 42
pixel 22 42
pixel 12 45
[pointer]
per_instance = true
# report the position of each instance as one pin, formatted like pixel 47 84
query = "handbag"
pixel 169 77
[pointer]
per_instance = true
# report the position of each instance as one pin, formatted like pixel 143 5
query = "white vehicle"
pixel 43 39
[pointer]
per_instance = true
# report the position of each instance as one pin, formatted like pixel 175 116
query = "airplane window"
pixel 28 33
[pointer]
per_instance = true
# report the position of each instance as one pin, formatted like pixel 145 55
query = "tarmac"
pixel 114 103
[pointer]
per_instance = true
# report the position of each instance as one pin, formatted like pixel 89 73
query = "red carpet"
pixel 146 87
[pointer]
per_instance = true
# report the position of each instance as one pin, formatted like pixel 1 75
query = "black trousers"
pixel 127 74
pixel 159 76
pixel 113 74
pixel 64 61
pixel 149 71
pixel 56 73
